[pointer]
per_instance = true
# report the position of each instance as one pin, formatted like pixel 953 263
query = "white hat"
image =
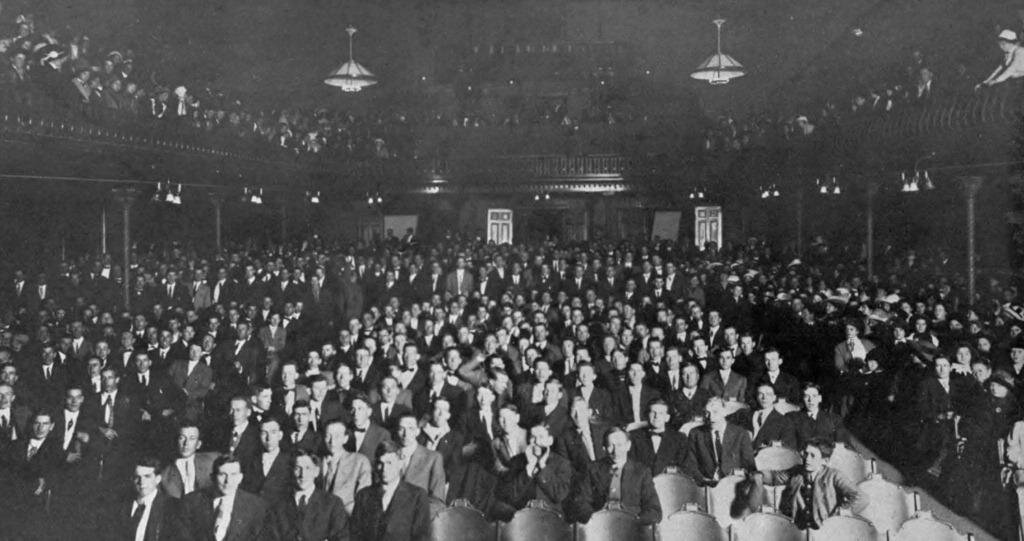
pixel 1008 35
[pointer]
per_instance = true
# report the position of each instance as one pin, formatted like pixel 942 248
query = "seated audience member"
pixel 190 470
pixel 583 442
pixel 718 448
pixel 149 514
pixel 438 435
pixel 194 378
pixel 31 465
pixel 421 466
pixel 543 475
pixel 390 509
pixel 550 411
pixel 814 423
pixel 389 410
pixel 269 474
pixel 725 383
pixel 366 435
pixel 343 473
pixel 599 399
pixel 657 447
pixel 765 423
pixel 511 442
pixel 311 513
pixel 786 386
pixel 324 406
pixel 814 491
pixel 224 512
pixel 634 398
pixel 302 435
pixel 688 402
pixel 618 482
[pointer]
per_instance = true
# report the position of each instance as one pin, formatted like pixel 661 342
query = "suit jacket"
pixel 786 386
pixel 310 441
pixel 672 451
pixel 827 426
pixel 775 427
pixel 181 298
pixel 251 356
pixel 248 516
pixel 375 435
pixel 636 490
pixel 407 518
pixel 451 284
pixel 48 392
pixel 202 296
pixel 165 521
pixel 734 389
pixel 426 470
pixel 831 491
pixel 552 483
pixel 684 409
pixel 126 414
pixel 456 397
pixel 195 385
pixel 647 395
pixel 248 442
pixel 172 483
pixel 352 474
pixel 396 413
pixel 160 394
pixel 276 484
pixel 323 519
pixel 570 445
pixel 737 453
pixel 26 472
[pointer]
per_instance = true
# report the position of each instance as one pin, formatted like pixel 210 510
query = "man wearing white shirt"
pixel 73 399
pixel 190 470
pixel 224 512
pixel 150 515
pixel 311 513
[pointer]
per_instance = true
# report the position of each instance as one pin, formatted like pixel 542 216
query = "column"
pixel 218 202
pixel 103 230
pixel 971 185
pixel 800 222
pixel 126 196
pixel 869 241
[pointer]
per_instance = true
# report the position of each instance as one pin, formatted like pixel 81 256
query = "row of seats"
pixel 461 522
pixel 698 513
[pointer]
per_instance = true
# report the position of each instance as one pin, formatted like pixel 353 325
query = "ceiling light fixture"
pixel 313 197
pixel 351 76
pixel 719 68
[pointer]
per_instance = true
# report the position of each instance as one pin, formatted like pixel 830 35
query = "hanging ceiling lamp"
pixel 351 76
pixel 719 68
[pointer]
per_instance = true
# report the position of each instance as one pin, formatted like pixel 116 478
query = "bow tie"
pixel 357 429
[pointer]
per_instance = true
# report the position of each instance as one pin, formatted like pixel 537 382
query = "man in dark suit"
pixel 224 512
pixel 366 436
pixel 657 447
pixel 765 422
pixel 243 356
pixel 439 386
pixel 583 442
pixel 619 482
pixel 814 423
pixel 718 448
pixel 190 470
pixel 550 411
pixel 390 509
pixel 689 401
pixel 14 416
pixel 301 435
pixel 115 418
pixel 159 399
pixel 388 411
pixel 310 513
pixel 174 295
pixel 47 380
pixel 725 382
pixel 786 386
pixel 269 474
pixel 634 397
pixel 543 475
pixel 459 282
pixel 30 467
pixel 150 513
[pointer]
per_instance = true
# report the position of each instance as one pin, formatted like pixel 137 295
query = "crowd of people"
pixel 316 391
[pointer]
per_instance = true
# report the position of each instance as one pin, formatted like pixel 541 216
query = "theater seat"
pixel 925 527
pixel 613 525
pixel 461 522
pixel 767 527
pixel 722 496
pixel 689 525
pixel 846 528
pixel 848 461
pixel 675 490
pixel 535 523
pixel 889 506
pixel 777 458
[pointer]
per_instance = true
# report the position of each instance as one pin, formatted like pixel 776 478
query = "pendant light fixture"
pixel 719 68
pixel 351 76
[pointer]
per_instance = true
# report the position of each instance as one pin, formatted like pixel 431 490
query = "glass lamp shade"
pixel 351 77
pixel 718 69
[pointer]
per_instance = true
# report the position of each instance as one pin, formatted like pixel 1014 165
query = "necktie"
pixel 32 449
pixel 302 503
pixel 387 412
pixel 46 372
pixel 145 380
pixel 718 453
pixel 760 421
pixel 332 469
pixel 108 415
pixel 71 424
pixel 4 423
pixel 140 510
pixel 235 436
pixel 189 476
pixel 220 526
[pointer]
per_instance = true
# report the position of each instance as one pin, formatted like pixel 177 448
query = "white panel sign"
pixel 499 226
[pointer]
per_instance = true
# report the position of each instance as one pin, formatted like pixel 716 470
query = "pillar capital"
pixel 971 185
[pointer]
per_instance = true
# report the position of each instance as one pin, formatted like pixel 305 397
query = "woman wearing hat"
pixel 1013 60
